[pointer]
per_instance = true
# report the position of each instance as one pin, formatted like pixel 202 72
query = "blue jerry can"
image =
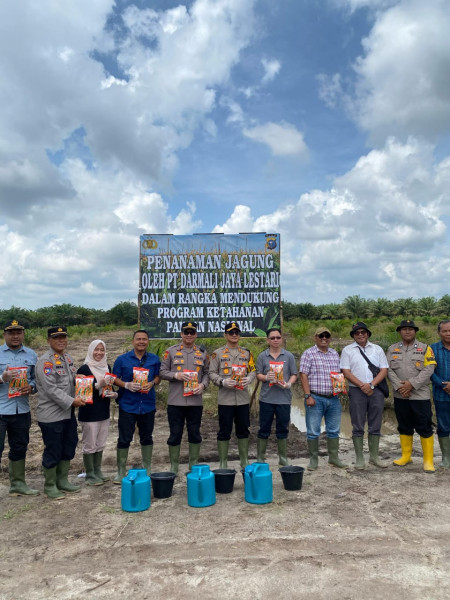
pixel 258 483
pixel 201 490
pixel 136 489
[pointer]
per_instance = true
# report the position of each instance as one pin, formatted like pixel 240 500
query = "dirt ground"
pixel 345 535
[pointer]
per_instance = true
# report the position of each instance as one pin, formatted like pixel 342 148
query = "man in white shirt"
pixel 366 399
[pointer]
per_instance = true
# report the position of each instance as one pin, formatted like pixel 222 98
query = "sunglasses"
pixel 189 332
pixel 275 337
pixel 361 332
pixel 234 332
pixel 324 335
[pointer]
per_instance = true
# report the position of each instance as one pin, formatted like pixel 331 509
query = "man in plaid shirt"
pixel 316 364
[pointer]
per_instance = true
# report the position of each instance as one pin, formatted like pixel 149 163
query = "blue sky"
pixel 327 121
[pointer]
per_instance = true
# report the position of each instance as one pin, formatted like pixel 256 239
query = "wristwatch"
pixel 307 396
pixel 372 387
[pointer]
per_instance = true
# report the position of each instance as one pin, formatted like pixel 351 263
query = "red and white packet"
pixel 16 385
pixel 191 385
pixel 84 388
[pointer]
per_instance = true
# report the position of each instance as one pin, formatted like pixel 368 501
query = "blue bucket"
pixel 258 483
pixel 136 491
pixel 201 490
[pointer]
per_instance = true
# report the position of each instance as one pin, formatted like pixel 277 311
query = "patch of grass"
pixel 10 514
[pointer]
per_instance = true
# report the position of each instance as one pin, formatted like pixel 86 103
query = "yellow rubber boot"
pixel 427 448
pixel 406 443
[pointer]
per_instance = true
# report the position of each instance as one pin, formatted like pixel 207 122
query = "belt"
pixel 323 395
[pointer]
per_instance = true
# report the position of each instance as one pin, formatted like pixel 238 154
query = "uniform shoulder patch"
pixel 166 355
pixel 48 368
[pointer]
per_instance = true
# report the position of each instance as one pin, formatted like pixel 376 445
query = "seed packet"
pixel 277 368
pixel 338 383
pixel 238 372
pixel 109 378
pixel 84 388
pixel 192 384
pixel 16 385
pixel 140 376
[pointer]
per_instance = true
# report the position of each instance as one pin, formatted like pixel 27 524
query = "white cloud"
pixel 271 69
pixel 377 232
pixel 283 139
pixel 403 83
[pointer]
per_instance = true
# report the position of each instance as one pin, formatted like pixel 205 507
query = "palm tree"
pixel 356 307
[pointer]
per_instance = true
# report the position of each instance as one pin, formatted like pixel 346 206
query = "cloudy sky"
pixel 327 121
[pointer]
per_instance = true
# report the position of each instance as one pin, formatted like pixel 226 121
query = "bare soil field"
pixel 345 535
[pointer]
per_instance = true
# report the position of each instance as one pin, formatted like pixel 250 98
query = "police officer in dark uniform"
pixel 55 378
pixel 234 398
pixel 180 362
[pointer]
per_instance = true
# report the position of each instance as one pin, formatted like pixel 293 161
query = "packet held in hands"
pixel 192 384
pixel 16 385
pixel 238 372
pixel 140 376
pixel 109 378
pixel 277 368
pixel 338 383
pixel 84 388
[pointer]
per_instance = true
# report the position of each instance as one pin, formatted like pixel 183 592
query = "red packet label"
pixel 338 383
pixel 84 388
pixel 16 385
pixel 192 384
pixel 140 376
pixel 238 372
pixel 109 378
pixel 277 368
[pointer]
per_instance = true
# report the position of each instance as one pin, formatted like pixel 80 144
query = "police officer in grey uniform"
pixel 55 378
pixel 234 403
pixel 177 366
pixel 411 365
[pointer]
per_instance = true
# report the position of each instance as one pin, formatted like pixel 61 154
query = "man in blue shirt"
pixel 441 390
pixel 137 402
pixel 15 417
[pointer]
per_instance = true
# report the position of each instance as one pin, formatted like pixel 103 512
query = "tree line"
pixel 124 313
pixel 355 307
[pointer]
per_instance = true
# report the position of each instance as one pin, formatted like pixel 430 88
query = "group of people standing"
pixel 409 364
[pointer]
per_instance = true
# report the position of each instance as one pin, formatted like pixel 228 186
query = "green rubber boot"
pixel 358 443
pixel 243 452
pixel 374 442
pixel 333 453
pixel 17 480
pixel 50 489
pixel 98 458
pixel 174 457
pixel 444 443
pixel 282 453
pixel 91 478
pixel 261 448
pixel 62 481
pixel 122 456
pixel 222 448
pixel 313 449
pixel 194 452
pixel 146 452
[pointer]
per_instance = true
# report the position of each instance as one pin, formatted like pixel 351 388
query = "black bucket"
pixel 292 477
pixel 224 480
pixel 162 484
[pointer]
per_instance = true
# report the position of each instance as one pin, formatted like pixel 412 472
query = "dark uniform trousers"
pixel 60 441
pixel 240 415
pixel 18 429
pixel 177 416
pixel 413 414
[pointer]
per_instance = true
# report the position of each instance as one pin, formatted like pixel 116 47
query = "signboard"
pixel 210 279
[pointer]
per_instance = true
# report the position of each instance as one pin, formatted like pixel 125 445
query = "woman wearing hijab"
pixel 94 418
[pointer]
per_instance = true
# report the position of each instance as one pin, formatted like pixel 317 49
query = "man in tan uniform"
pixel 179 364
pixel 411 365
pixel 234 399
